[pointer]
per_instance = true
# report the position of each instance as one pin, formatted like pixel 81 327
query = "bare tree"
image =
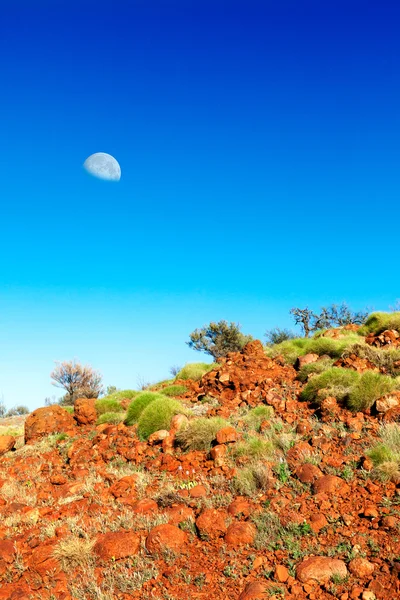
pixel 175 370
pixel 305 318
pixel 77 380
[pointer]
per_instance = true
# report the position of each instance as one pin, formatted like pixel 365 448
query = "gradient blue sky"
pixel 259 147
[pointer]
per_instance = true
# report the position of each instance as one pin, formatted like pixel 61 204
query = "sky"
pixel 259 148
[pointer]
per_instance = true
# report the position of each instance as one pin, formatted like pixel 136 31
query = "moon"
pixel 103 166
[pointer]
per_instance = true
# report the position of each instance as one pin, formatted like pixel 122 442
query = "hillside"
pixel 275 475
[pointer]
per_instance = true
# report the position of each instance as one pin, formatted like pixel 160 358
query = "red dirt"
pixel 151 521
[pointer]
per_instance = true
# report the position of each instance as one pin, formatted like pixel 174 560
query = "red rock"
pixel 211 524
pixel 198 491
pixel 361 567
pixel 117 544
pixel 308 473
pixel 158 436
pixel 254 591
pixel 42 560
pixel 7 443
pixel 306 360
pixel 177 422
pixel 47 420
pixel 145 506
pixel 240 533
pixel 387 402
pixel 218 454
pixel 330 484
pixel 281 573
pixel 240 506
pixel 179 514
pixel 320 569
pixel 318 522
pixel 84 411
pixel 58 479
pixel 227 435
pixel 124 486
pixel 165 537
pixel 389 522
pixel 297 453
pixel 371 511
pixel 7 551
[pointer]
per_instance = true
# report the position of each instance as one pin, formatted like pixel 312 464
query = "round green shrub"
pixel 158 415
pixel 113 418
pixel 107 405
pixel 199 433
pixel 315 368
pixel 69 409
pixel 174 390
pixel 138 405
pixel 195 371
pixel 338 383
pixel 369 388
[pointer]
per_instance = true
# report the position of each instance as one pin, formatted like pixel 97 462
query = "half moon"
pixel 103 166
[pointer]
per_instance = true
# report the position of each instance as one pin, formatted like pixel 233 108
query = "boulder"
pixel 308 473
pixel 227 435
pixel 117 544
pixel 7 443
pixel 84 411
pixel 387 402
pixel 240 533
pixel 254 591
pixel 212 523
pixel 47 420
pixel 331 484
pixel 306 360
pixel 361 567
pixel 165 537
pixel 320 569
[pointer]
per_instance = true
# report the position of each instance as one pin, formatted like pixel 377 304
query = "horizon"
pixel 256 144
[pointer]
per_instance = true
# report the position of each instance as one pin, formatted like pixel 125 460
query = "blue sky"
pixel 259 147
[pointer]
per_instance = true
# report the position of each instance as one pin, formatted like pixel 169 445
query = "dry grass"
pixel 74 552
pixel 13 491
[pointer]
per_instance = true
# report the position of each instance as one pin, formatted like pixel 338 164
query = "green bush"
pixel 315 368
pixel 195 371
pixel 113 418
pixel 158 415
pixel 257 415
pixel 386 454
pixel 253 447
pixel 69 409
pixel 249 480
pixel 331 347
pixel 336 381
pixel 370 387
pixel 107 405
pixel 139 404
pixel 174 390
pixel 379 321
pixel 200 433
pixel 157 387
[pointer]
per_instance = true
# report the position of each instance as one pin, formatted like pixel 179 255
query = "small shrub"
pixel 74 552
pixel 336 381
pixel 290 350
pixel 257 415
pixel 113 418
pixel 329 346
pixel 277 336
pixel 386 454
pixel 315 368
pixel 253 448
pixel 200 433
pixel 195 371
pixel 369 388
pixel 139 404
pixel 69 409
pixel 379 321
pixel 251 479
pixel 174 390
pixel 158 415
pixel 107 405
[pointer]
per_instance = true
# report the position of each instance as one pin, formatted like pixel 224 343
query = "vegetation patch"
pixel 195 371
pixel 122 395
pixel 386 454
pixel 199 433
pixel 113 418
pixel 335 382
pixel 380 321
pixel 107 405
pixel 315 368
pixel 253 447
pixel 257 415
pixel 158 415
pixel 251 479
pixel 139 404
pixel 174 390
pixel 369 388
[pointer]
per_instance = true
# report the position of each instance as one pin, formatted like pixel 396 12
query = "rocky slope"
pixel 285 503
